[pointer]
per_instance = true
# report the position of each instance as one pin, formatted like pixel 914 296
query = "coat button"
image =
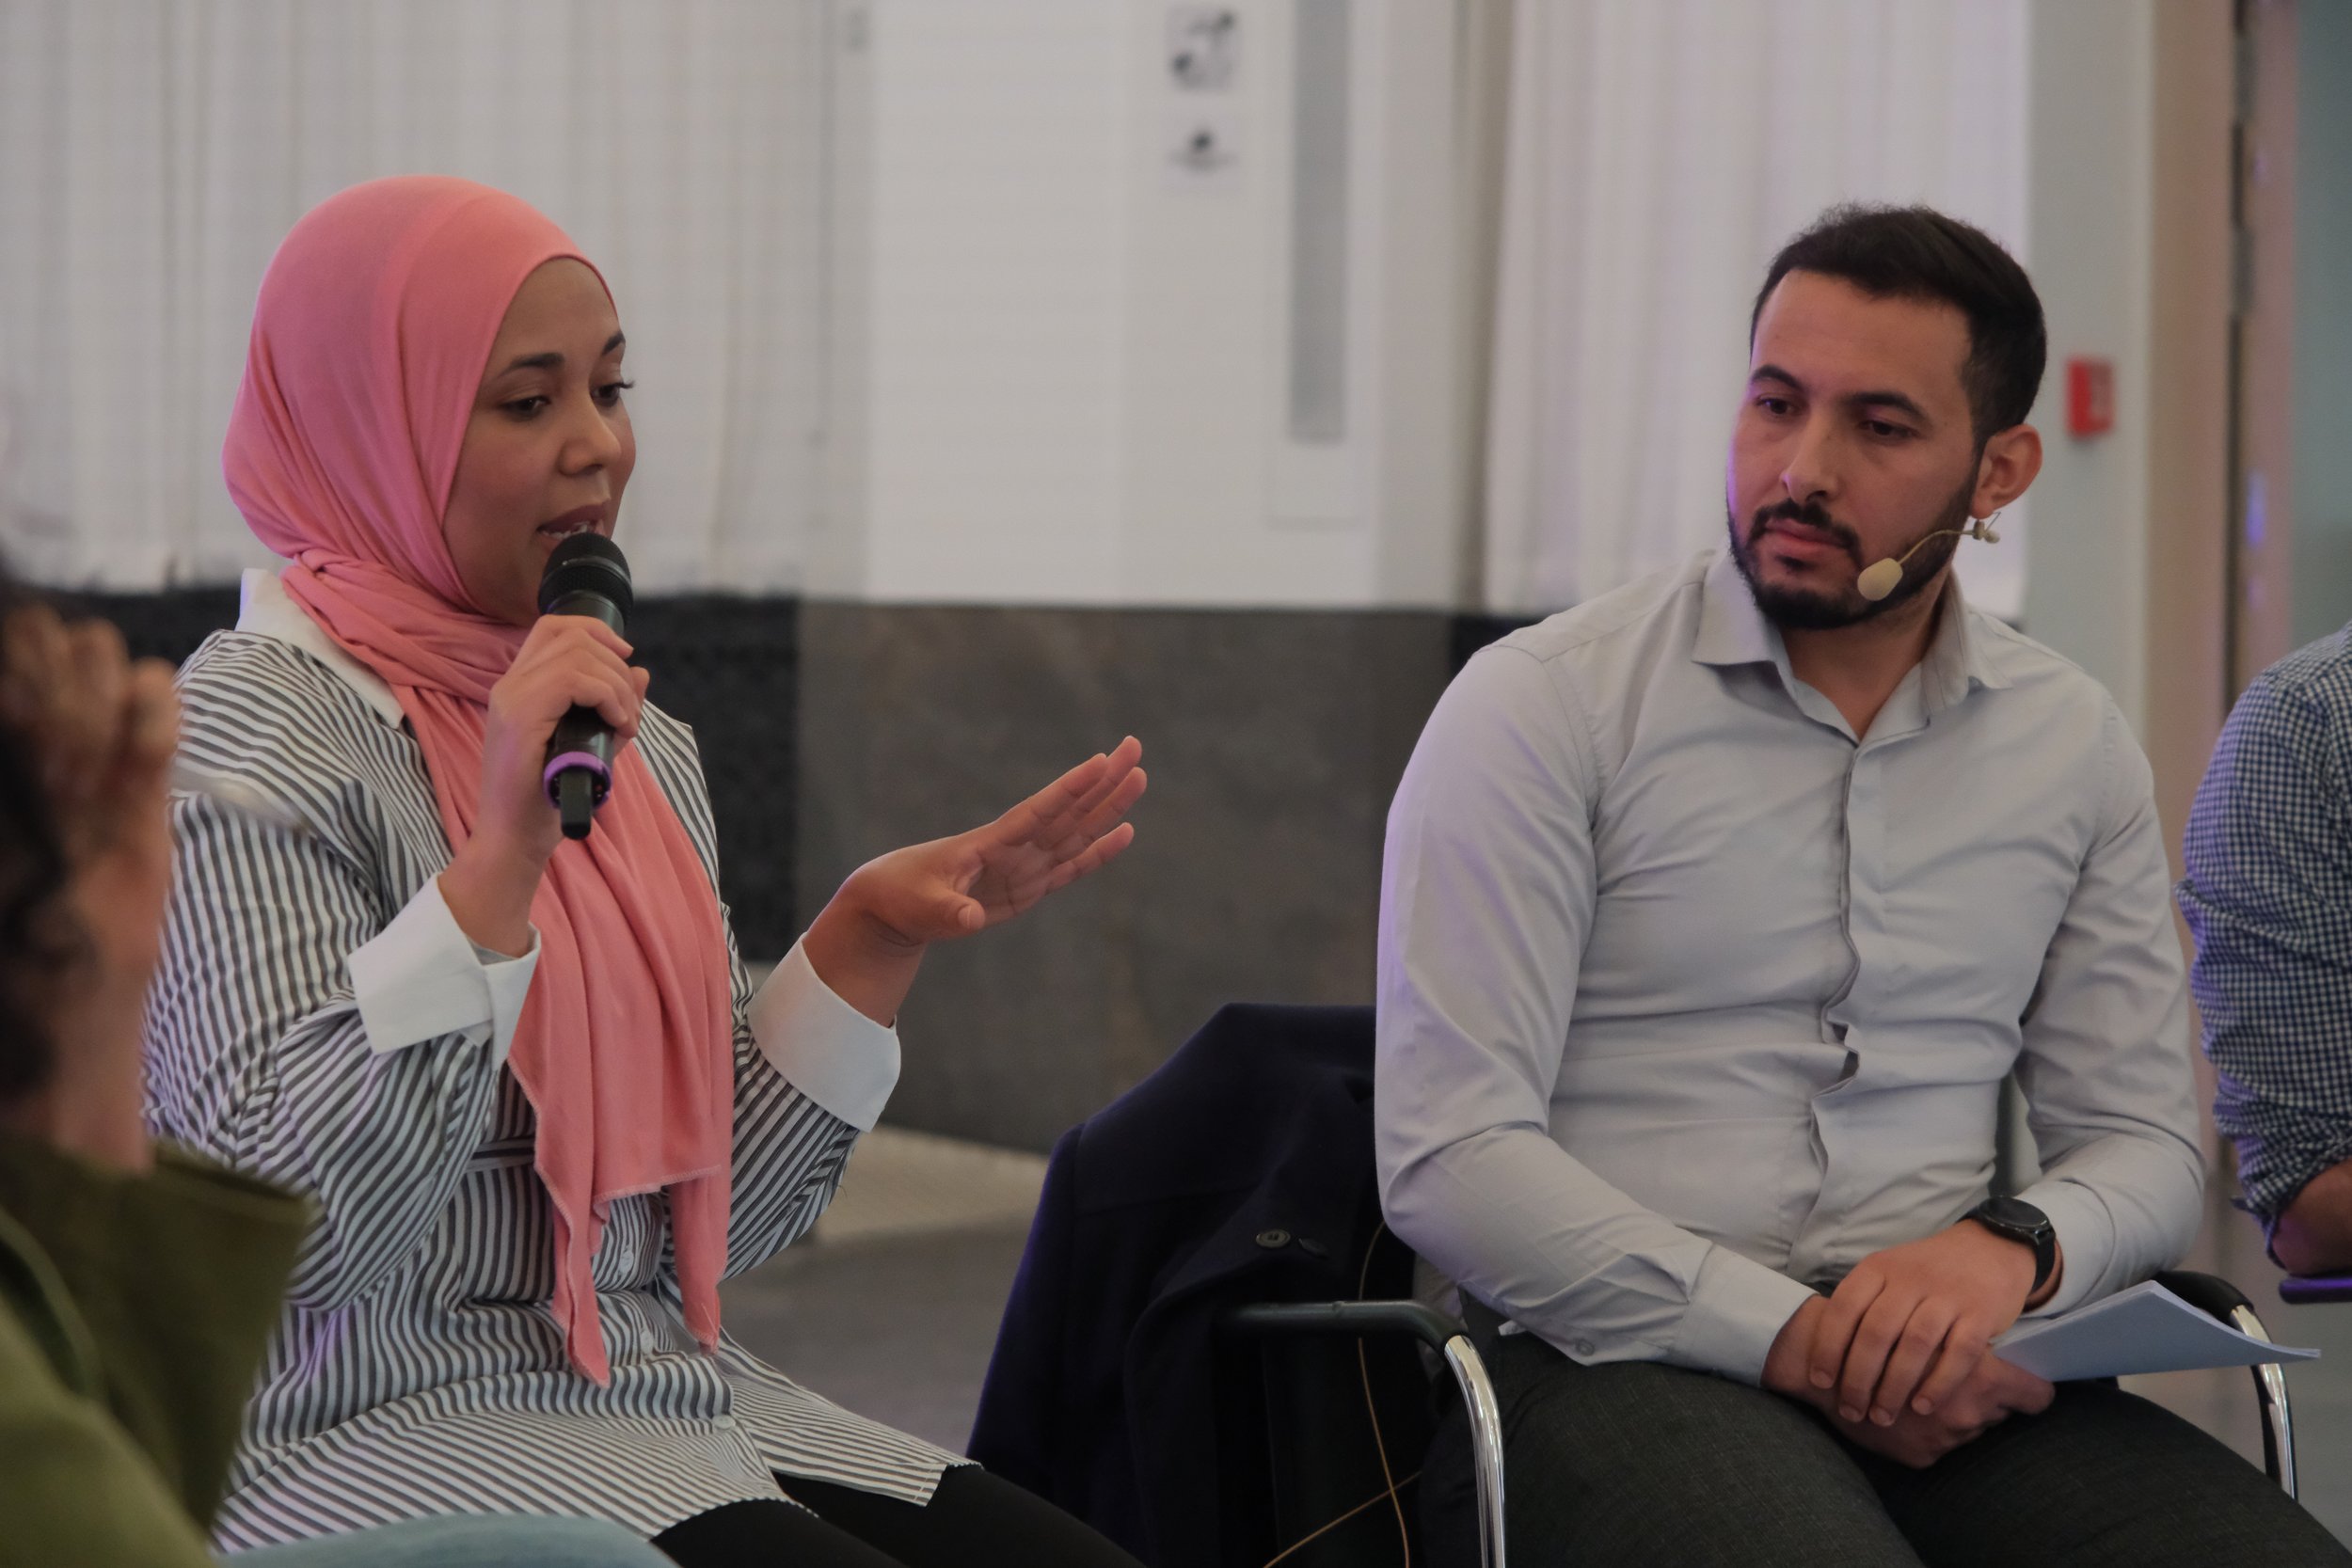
pixel 1271 1239
pixel 1313 1248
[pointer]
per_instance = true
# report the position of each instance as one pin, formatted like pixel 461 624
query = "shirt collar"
pixel 1731 630
pixel 1957 660
pixel 266 610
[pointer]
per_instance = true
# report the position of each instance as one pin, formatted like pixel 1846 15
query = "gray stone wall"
pixel 1274 741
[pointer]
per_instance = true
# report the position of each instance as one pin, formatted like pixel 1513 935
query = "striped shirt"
pixel 419 1370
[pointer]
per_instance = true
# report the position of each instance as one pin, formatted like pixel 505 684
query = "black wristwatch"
pixel 2022 1222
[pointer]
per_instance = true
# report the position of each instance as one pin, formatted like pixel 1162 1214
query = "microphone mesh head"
pixel 586 563
pixel 1879 579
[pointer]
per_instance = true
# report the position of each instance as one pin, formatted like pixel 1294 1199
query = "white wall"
pixel 1052 373
pixel 2090 161
pixel 153 153
pixel 1075 363
pixel 1072 371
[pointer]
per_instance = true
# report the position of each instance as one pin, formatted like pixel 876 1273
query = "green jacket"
pixel 134 1313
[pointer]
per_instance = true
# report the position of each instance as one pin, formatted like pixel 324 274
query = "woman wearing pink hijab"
pixel 524 1079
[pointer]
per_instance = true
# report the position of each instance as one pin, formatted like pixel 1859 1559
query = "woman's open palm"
pixel 953 887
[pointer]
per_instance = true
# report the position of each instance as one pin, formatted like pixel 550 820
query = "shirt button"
pixel 723 1423
pixel 1583 1347
pixel 1272 1239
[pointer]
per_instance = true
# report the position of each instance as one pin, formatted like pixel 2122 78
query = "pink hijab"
pixel 370 340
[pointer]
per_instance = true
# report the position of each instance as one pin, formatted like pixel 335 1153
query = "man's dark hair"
pixel 1919 253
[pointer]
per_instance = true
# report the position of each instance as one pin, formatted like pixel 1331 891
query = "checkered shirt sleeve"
pixel 2268 897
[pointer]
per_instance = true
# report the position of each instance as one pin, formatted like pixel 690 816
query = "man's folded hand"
pixel 1900 1356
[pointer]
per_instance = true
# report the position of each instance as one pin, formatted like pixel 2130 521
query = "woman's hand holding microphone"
pixel 567 660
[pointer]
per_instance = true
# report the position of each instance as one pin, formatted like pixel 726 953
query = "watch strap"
pixel 2002 1217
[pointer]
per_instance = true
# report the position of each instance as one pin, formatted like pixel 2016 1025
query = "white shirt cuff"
pixel 825 1048
pixel 2086 1238
pixel 421 978
pixel 1738 1309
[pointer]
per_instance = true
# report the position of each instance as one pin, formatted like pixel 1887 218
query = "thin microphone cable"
pixel 1393 1492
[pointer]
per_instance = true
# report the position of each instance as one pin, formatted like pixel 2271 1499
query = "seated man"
pixel 1715 913
pixel 2268 895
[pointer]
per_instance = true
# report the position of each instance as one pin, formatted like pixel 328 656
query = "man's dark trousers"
pixel 1639 1464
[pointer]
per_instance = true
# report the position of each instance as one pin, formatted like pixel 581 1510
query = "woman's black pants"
pixel 974 1520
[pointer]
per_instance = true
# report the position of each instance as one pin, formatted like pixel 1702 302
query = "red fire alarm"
pixel 2090 395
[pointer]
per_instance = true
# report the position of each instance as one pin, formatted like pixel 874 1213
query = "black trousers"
pixel 1634 1462
pixel 974 1520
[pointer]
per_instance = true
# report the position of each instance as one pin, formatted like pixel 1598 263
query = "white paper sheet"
pixel 2144 1329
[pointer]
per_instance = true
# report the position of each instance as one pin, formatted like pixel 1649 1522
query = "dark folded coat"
pixel 1240 1171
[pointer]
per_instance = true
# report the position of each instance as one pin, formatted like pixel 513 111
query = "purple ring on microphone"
pixel 588 760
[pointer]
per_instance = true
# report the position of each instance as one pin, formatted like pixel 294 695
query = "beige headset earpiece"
pixel 1881 577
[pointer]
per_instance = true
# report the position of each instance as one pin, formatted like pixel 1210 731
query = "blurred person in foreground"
pixel 2269 898
pixel 1715 914
pixel 138 1285
pixel 526 1079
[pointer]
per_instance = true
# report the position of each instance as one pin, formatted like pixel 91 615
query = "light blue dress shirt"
pixel 1690 1000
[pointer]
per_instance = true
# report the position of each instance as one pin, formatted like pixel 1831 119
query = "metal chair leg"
pixel 1486 1424
pixel 2270 1390
pixel 2213 1295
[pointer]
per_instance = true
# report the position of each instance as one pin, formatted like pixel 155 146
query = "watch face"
pixel 2014 1213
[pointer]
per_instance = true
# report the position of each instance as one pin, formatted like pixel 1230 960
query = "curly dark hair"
pixel 38 936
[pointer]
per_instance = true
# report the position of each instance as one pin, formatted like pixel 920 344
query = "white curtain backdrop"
pixel 1660 152
pixel 153 153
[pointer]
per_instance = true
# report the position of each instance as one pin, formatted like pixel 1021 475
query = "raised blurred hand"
pixel 100 731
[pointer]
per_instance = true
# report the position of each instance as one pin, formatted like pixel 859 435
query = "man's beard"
pixel 1813 609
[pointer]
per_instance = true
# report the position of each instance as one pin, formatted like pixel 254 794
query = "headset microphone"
pixel 1881 577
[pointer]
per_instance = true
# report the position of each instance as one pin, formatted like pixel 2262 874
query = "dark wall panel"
pixel 1274 741
pixel 730 667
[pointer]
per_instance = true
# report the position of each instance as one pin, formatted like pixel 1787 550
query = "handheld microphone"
pixel 586 576
pixel 1881 577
